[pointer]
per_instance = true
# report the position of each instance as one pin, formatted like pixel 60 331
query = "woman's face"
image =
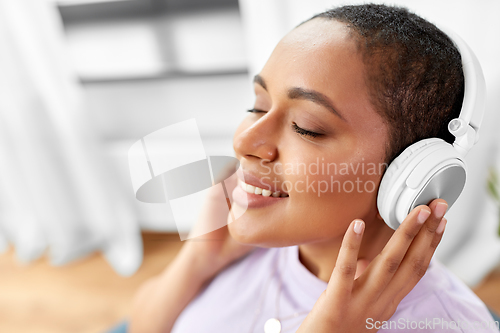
pixel 315 136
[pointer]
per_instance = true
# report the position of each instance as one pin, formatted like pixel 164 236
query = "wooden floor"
pixel 83 297
pixel 89 297
pixel 489 291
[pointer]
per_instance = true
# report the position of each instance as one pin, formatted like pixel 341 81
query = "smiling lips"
pixel 260 191
pixel 255 192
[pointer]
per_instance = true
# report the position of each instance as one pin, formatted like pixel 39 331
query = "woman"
pixel 341 96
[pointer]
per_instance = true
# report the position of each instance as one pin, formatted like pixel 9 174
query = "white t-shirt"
pixel 273 282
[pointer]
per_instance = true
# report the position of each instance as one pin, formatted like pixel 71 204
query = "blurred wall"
pixel 146 66
pixel 124 112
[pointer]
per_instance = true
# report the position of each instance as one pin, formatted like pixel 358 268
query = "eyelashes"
pixel 304 132
pixel 295 127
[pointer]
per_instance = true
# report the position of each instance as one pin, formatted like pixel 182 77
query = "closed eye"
pixel 255 110
pixel 295 127
pixel 304 132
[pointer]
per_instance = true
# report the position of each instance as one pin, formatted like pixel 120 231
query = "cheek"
pixel 334 194
pixel 321 206
pixel 326 194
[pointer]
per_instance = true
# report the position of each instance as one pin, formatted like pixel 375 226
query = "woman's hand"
pixel 347 303
pixel 161 299
pixel 214 248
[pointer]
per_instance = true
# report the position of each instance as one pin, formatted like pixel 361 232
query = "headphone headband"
pixel 465 128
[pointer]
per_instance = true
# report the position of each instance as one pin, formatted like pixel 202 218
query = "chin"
pixel 255 231
pixel 245 230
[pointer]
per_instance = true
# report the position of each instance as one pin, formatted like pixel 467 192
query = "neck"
pixel 320 257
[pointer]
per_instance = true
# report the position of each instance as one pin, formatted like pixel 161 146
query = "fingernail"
pixel 358 227
pixel 423 215
pixel 440 209
pixel 441 226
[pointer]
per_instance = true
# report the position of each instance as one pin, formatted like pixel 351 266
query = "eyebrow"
pixel 260 81
pixel 304 94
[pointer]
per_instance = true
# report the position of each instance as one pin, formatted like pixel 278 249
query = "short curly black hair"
pixel 414 71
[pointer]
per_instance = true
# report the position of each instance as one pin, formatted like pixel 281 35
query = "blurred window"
pixel 140 39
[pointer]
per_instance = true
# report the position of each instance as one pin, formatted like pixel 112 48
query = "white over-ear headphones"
pixel 433 168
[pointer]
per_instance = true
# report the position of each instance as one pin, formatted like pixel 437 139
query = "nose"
pixel 259 139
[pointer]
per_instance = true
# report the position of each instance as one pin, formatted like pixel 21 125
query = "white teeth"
pixel 257 190
pixel 250 188
pixel 266 193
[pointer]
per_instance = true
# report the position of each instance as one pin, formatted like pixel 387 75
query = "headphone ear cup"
pixel 393 179
pixel 424 171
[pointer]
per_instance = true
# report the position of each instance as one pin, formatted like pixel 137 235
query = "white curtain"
pixel 471 246
pixel 56 191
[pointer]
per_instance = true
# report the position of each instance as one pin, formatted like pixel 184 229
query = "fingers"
pixel 387 263
pixel 342 278
pixel 361 266
pixel 418 256
pixel 438 235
